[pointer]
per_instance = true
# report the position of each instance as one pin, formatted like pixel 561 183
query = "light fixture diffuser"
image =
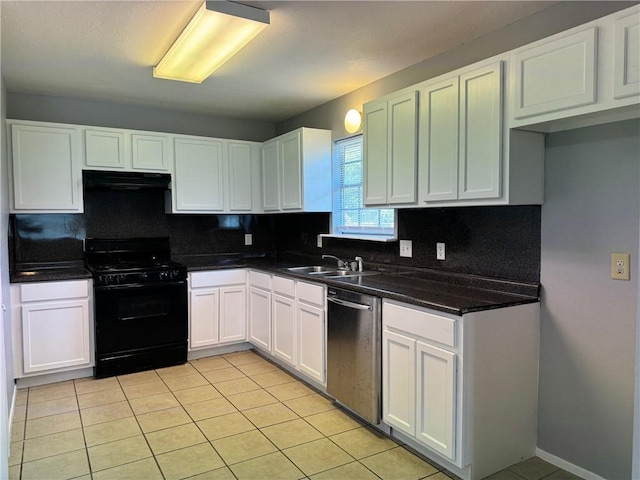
pixel 352 121
pixel 217 31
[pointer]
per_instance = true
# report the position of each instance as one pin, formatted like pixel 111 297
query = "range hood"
pixel 99 179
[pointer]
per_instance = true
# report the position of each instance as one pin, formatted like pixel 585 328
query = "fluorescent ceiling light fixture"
pixel 217 31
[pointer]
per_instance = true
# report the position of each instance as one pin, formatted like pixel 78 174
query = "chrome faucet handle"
pixel 341 263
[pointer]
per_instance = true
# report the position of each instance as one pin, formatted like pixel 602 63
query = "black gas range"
pixel 140 299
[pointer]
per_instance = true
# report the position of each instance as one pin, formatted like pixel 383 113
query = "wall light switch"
pixel 440 252
pixel 248 239
pixel 620 266
pixel 319 241
pixel 405 248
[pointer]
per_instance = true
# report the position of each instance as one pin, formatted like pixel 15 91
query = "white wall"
pixel 588 321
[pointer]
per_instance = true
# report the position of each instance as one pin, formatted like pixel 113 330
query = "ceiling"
pixel 311 53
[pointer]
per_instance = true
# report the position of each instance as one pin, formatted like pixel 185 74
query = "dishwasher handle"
pixel 346 303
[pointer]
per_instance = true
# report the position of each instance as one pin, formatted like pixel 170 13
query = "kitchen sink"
pixel 328 272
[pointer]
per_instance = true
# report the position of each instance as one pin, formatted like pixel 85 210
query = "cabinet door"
pixel 436 380
pixel 104 149
pixel 311 341
pixel 198 178
pixel 375 142
pixel 402 163
pixel 399 382
pixel 480 141
pixel 438 145
pixel 55 335
pixel 46 169
pixel 204 305
pixel 260 318
pixel 626 77
pixel 233 313
pixel 291 171
pixel 270 176
pixel 240 176
pixel 284 328
pixel 150 152
pixel 556 75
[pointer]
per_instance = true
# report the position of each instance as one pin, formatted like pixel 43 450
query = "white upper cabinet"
pixel 626 75
pixel 460 136
pixel 127 150
pixel 214 175
pixel 390 150
pixel 45 168
pixel 296 172
pixel 198 176
pixel 480 132
pixel 556 75
pixel 151 151
pixel 584 76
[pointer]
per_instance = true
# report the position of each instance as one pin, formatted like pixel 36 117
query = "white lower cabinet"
pixel 52 326
pixel 283 319
pixel 462 390
pixel 311 319
pixel 217 308
pixel 260 310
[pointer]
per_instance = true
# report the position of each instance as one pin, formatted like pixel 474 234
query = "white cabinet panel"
pixel 436 381
pixel 374 173
pixel 104 149
pixel 626 75
pixel 199 175
pixel 438 151
pixel 311 341
pixel 402 162
pixel 284 328
pixel 204 308
pixel 270 176
pixel 233 313
pixel 291 171
pixel 481 133
pixel 239 159
pixel 390 150
pixel 260 318
pixel 55 335
pixel 45 169
pixel 399 382
pixel 556 75
pixel 151 152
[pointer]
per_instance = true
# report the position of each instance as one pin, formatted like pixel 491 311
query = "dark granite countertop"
pixel 447 292
pixel 54 272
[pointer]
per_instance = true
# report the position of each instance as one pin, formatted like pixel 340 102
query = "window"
pixel 350 218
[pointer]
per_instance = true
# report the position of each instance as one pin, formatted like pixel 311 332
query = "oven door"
pixel 132 317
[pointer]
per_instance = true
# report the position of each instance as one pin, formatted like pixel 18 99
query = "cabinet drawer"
pixel 420 323
pixel 33 292
pixel 284 286
pixel 311 293
pixel 217 278
pixel 260 280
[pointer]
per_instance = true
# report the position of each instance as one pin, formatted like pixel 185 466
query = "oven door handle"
pixel 142 317
pixel 138 286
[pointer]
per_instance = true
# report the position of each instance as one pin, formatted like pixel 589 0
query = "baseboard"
pixel 569 467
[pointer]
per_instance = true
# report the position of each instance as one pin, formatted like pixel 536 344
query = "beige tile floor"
pixel 224 417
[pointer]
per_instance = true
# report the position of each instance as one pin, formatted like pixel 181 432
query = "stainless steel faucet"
pixel 360 264
pixel 341 263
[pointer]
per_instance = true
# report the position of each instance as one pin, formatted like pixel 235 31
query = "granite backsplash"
pixel 500 242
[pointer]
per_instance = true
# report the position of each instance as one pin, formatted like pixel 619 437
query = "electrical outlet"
pixel 620 266
pixel 440 253
pixel 405 248
pixel 248 239
pixel 319 241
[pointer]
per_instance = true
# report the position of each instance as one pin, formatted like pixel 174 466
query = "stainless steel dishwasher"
pixel 354 352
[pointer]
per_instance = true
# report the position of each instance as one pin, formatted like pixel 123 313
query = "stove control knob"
pixel 121 279
pixel 144 276
pixel 174 274
pixel 164 275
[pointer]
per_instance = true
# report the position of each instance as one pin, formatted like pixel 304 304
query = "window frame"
pixel 360 232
